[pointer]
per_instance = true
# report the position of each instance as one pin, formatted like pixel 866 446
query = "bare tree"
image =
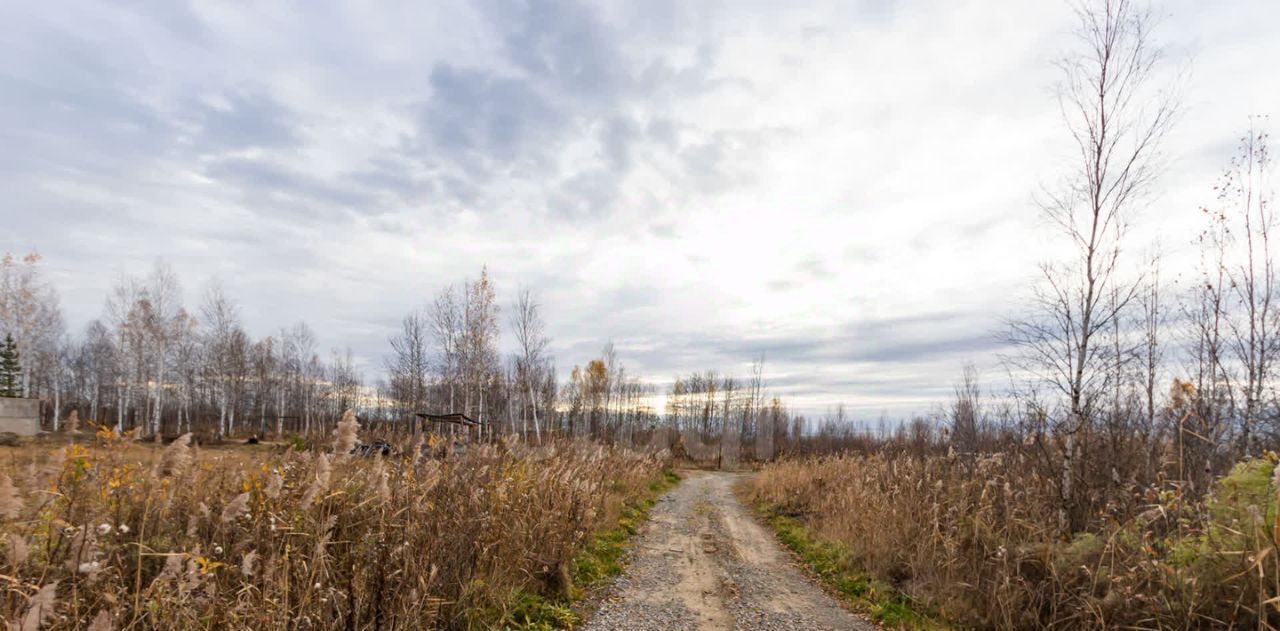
pixel 186 345
pixel 266 372
pixel 480 340
pixel 730 440
pixel 313 373
pixel 221 324
pixel 1246 203
pixel 1116 125
pixel 612 380
pixel 29 311
pixel 345 380
pixel 237 365
pixel 122 309
pixel 966 414
pixel 409 366
pixel 446 328
pixel 165 317
pixel 761 421
pixel 532 341
pixel 99 365
pixel 303 368
pixel 1151 355
pixel 1208 399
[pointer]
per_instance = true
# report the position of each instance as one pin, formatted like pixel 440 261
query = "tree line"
pixel 152 365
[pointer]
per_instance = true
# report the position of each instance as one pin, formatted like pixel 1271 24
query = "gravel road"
pixel 702 563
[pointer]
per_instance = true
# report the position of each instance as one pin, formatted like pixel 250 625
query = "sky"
pixel 844 188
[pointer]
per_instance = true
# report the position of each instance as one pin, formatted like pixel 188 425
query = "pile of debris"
pixel 375 448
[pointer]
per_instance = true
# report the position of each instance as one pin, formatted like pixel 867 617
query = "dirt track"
pixel 703 563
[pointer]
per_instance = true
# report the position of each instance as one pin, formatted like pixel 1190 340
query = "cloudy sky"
pixel 844 187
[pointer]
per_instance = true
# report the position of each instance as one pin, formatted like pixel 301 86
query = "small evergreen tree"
pixel 10 370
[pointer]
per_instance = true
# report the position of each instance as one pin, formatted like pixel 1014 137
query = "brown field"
pixel 108 533
pixel 977 542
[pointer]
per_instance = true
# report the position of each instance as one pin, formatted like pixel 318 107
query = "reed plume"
pixel 177 457
pixel 345 435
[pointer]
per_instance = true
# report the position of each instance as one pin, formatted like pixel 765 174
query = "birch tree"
pixel 29 311
pixel 410 363
pixel 532 342
pixel 1116 122
pixel 1246 205
pixel 162 326
pixel 446 329
pixel 122 311
pixel 221 323
pixel 480 340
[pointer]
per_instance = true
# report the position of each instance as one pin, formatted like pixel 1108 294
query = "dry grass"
pixel 122 535
pixel 977 543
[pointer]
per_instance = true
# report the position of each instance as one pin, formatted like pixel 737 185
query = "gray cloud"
pixel 68 108
pixel 566 83
pixel 476 118
pixel 562 42
pixel 244 119
pixel 267 187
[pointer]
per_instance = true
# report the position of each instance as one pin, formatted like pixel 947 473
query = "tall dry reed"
pixel 122 535
pixel 977 542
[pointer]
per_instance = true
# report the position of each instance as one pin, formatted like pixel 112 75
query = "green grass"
pixel 536 613
pixel 600 560
pixel 830 563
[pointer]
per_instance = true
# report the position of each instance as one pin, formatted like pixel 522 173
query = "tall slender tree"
pixel 1246 201
pixel 1116 124
pixel 409 367
pixel 532 341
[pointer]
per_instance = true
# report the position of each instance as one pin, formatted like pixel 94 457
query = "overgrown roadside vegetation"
pixel 599 560
pixel 830 562
pixel 976 542
pixel 116 534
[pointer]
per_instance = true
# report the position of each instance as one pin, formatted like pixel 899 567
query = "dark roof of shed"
pixel 453 417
